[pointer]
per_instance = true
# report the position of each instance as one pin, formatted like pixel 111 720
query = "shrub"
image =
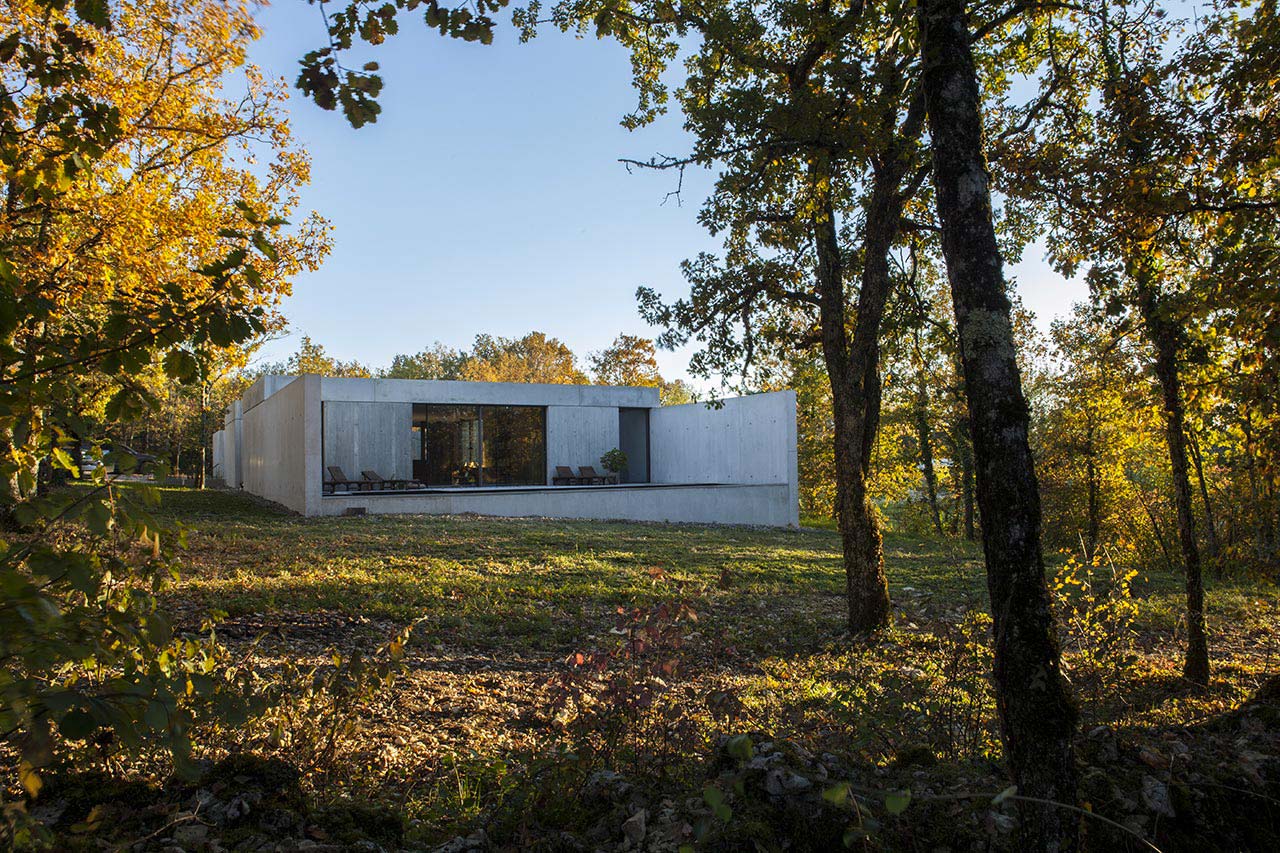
pixel 1096 611
pixel 615 460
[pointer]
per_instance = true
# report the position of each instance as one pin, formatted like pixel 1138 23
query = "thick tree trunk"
pixel 964 456
pixel 855 402
pixel 1037 717
pixel 1163 335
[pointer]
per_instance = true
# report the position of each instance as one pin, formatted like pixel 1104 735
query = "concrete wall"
pixel 263 388
pixel 233 441
pixel 218 471
pixel 742 456
pixel 282 460
pixel 370 436
pixel 579 435
pixel 769 505
pixel 748 440
pixel 483 393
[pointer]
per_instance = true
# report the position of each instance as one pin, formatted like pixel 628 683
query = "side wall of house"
pixel 281 444
pixel 219 469
pixel 232 454
pixel 369 437
pixel 749 440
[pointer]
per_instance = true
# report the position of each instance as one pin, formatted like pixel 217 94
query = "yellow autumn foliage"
pixel 200 131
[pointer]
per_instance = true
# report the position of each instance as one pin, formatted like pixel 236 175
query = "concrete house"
pixel 493 448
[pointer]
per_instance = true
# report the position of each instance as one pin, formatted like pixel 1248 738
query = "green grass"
pixel 503 602
pixel 548 583
pixel 544 583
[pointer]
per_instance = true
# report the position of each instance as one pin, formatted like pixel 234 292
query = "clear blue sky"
pixel 489 198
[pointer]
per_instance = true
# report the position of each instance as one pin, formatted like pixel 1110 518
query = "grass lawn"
pixel 503 603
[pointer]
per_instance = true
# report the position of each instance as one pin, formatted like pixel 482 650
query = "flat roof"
pixel 362 390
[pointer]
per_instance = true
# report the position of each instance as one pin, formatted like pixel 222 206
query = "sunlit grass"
pixel 504 601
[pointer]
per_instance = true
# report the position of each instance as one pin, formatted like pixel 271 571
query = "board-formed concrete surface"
pixel 579 435
pixel 747 440
pixel 282 446
pixel 369 437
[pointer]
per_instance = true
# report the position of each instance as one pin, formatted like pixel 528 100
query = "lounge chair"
pixel 564 476
pixel 377 481
pixel 337 478
pixel 588 473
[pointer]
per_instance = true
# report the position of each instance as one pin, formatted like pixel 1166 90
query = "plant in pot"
pixel 614 462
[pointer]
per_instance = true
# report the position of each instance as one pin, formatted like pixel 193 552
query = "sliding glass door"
pixel 480 445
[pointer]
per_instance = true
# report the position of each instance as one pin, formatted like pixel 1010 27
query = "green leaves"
pixel 77 725
pixel 739 746
pixel 181 365
pixel 896 802
pixel 95 12
pixel 264 246
pixel 330 84
pixel 714 798
pixel 837 794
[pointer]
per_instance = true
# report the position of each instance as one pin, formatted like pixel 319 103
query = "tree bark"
pixel 854 373
pixel 204 433
pixel 1211 526
pixel 1037 717
pixel 964 455
pixel 924 435
pixel 1162 332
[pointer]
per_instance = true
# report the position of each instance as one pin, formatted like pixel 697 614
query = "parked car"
pixel 116 458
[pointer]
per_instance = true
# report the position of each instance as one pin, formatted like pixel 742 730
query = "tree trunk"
pixel 204 433
pixel 1259 508
pixel 1037 717
pixel 1163 335
pixel 1093 531
pixel 855 403
pixel 1211 526
pixel 924 435
pixel 1155 527
pixel 964 456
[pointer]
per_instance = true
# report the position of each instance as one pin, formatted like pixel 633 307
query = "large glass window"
pixel 449 446
pixel 479 445
pixel 515 446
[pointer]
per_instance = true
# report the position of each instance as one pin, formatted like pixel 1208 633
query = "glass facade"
pixel 480 445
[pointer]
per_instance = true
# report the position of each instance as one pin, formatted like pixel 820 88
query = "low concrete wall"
pixel 370 436
pixel 749 440
pixel 579 435
pixel 282 446
pixel 768 505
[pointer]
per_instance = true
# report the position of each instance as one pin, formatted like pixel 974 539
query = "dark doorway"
pixel 633 440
